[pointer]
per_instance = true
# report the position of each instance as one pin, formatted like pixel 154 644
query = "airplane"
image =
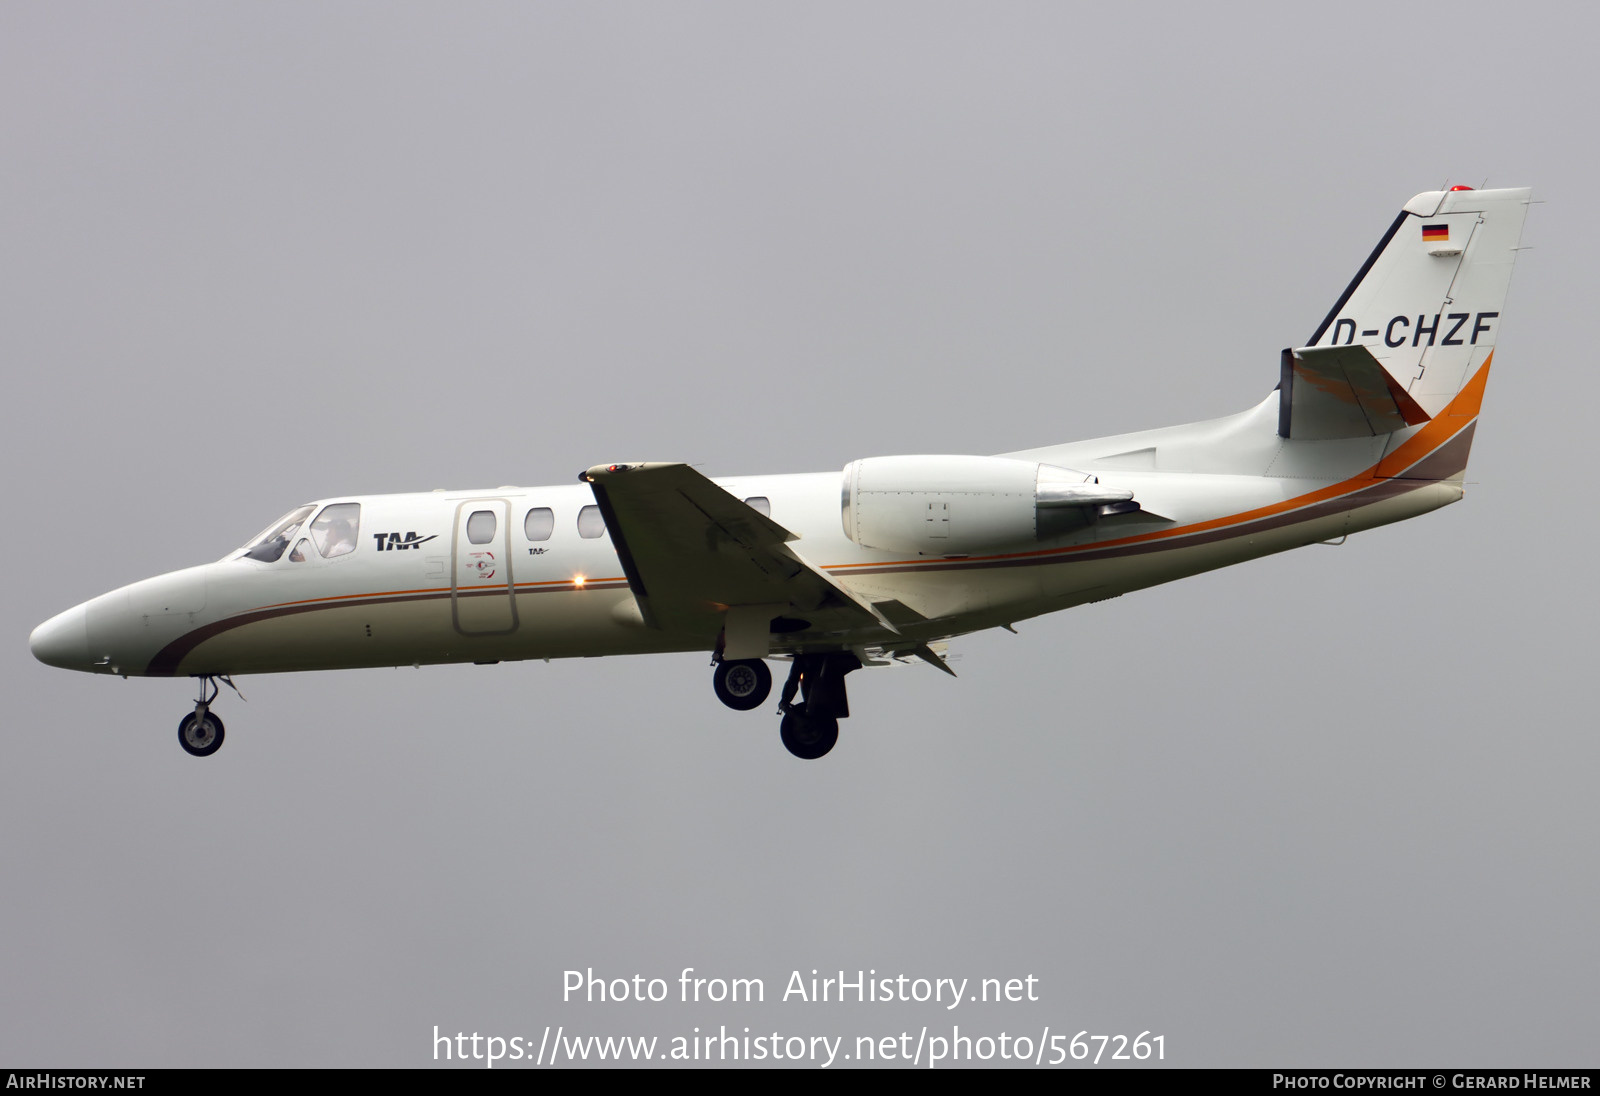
pixel 1371 422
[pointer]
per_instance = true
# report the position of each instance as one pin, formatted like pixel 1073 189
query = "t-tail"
pixel 1410 341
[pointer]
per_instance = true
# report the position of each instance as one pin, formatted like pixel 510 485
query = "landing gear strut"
pixel 811 727
pixel 200 732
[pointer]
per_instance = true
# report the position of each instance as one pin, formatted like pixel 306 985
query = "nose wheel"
pixel 200 732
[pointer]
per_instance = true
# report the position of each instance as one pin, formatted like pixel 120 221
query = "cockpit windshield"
pixel 269 546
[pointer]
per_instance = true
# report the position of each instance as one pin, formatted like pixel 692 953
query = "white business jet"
pixel 1371 423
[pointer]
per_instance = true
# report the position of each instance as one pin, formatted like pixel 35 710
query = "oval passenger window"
pixel 539 523
pixel 480 526
pixel 590 523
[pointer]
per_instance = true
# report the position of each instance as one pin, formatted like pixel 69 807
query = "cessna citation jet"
pixel 1370 423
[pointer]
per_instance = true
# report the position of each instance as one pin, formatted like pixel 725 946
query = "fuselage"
pixel 531 573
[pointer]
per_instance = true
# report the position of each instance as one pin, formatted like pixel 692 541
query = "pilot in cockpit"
pixel 335 529
pixel 341 537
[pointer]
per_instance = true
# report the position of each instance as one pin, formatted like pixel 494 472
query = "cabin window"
pixel 761 505
pixel 269 546
pixel 481 526
pixel 590 523
pixel 540 523
pixel 334 531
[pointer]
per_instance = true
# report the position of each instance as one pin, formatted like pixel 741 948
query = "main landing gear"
pixel 200 732
pixel 742 684
pixel 810 727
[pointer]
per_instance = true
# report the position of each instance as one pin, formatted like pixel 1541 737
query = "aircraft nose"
pixel 63 640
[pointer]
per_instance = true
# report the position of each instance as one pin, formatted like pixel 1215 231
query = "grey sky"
pixel 1329 808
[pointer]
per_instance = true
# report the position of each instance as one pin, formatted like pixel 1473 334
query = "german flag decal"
pixel 1432 233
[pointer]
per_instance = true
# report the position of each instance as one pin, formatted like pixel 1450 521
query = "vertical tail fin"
pixel 1428 302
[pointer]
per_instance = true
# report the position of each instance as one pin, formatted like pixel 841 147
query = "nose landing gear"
pixel 200 732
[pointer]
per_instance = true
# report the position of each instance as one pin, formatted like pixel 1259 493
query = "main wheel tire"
pixel 202 738
pixel 808 736
pixel 742 684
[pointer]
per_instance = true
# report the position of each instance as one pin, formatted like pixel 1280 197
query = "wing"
pixel 699 560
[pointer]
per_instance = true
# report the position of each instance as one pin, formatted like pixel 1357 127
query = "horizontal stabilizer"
pixel 1341 392
pixel 1131 513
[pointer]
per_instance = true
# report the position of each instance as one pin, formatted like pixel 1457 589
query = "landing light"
pixel 578 581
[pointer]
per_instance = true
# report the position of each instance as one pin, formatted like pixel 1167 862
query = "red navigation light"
pixel 1461 188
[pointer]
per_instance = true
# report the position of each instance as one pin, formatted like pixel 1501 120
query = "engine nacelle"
pixel 956 505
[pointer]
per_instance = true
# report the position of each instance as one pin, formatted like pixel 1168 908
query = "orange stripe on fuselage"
pixel 1463 409
pixel 441 591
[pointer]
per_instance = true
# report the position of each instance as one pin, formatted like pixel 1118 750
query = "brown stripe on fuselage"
pixel 165 662
pixel 1448 460
pixel 444 591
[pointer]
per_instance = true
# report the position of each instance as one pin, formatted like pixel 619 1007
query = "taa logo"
pixel 394 542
